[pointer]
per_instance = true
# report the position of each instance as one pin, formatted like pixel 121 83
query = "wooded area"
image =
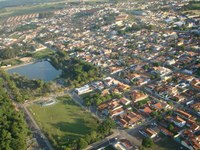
pixel 13 129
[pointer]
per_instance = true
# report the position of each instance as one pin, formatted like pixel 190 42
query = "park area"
pixel 63 121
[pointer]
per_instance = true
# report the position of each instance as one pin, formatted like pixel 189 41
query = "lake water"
pixel 40 70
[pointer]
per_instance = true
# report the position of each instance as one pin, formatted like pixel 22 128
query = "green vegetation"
pixel 42 54
pixel 13 129
pixel 31 89
pixel 147 142
pixel 96 98
pixel 171 127
pixel 68 126
pixel 8 53
pixel 20 88
pixel 11 88
pixel 76 72
pixel 79 72
pixel 12 62
pixel 15 50
pixel 63 122
pixel 142 102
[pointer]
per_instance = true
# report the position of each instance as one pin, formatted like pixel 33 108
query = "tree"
pixel 170 103
pixel 88 102
pixel 82 144
pixel 171 127
pixel 169 112
pixel 140 104
pixel 13 129
pixel 141 148
pixel 88 138
pixel 154 114
pixel 93 136
pixel 159 117
pixel 156 64
pixel 146 67
pixel 147 142
pixel 106 126
pixel 98 101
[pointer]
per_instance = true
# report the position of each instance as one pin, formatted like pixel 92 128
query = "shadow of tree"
pixel 72 132
pixel 168 143
pixel 78 127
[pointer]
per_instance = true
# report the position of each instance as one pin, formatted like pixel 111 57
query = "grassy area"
pixel 63 121
pixel 13 62
pixel 43 53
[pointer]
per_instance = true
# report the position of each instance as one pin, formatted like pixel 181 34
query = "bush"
pixel 147 142
pixel 82 144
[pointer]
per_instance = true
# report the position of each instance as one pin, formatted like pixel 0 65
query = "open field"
pixel 63 121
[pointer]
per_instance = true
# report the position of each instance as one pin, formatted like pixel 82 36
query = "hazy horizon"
pixel 12 3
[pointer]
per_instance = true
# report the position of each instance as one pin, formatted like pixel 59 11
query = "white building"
pixel 82 90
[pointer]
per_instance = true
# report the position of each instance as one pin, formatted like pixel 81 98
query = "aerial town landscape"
pixel 100 75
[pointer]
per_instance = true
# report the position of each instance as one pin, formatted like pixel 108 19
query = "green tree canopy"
pixel 147 142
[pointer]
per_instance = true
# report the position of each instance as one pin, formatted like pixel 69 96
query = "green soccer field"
pixel 63 121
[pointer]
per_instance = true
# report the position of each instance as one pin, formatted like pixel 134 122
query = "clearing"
pixel 64 121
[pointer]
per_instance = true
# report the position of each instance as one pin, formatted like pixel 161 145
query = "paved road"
pixel 105 142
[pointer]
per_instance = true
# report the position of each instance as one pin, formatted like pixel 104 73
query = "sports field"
pixel 64 121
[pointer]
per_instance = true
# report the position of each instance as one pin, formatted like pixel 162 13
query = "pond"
pixel 40 70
